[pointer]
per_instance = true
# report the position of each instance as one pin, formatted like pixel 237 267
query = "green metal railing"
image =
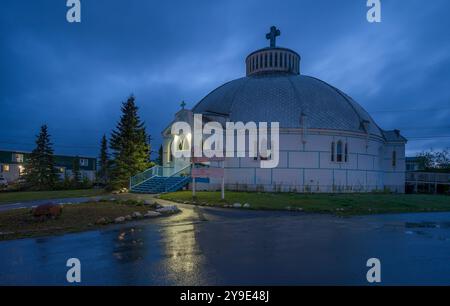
pixel 146 175
pixel 185 171
pixel 158 171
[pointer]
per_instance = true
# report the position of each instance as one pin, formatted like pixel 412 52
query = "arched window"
pixel 270 60
pixel 276 59
pixel 394 158
pixel 346 153
pixel 332 151
pixel 169 152
pixel 339 151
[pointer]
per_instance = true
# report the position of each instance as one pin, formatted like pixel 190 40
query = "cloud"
pixel 74 77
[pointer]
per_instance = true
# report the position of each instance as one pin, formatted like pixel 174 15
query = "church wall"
pixel 303 160
pixel 287 177
pixel 263 176
pixel 394 176
pixel 340 179
pixel 308 167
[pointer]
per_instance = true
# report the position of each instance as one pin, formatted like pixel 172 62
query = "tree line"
pixel 125 154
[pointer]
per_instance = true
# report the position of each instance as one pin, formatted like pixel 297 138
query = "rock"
pixel 152 214
pixel 168 209
pixel 119 220
pixel 128 217
pixel 237 205
pixel 102 221
pixel 246 205
pixel 136 215
pixel 47 210
pixel 149 202
pixel 300 209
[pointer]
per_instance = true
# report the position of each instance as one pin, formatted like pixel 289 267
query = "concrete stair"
pixel 160 184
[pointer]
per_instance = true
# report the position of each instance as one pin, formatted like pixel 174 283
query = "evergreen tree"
pixel 159 160
pixel 40 172
pixel 129 145
pixel 103 162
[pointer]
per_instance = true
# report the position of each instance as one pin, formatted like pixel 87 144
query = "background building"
pixel 12 165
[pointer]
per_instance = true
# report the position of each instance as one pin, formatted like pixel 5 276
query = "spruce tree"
pixel 103 162
pixel 129 146
pixel 40 172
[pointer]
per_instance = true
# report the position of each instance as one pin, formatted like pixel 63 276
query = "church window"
pixel 265 60
pixel 332 151
pixel 281 59
pixel 276 59
pixel 394 158
pixel 183 144
pixel 169 152
pixel 285 60
pixel 270 60
pixel 339 151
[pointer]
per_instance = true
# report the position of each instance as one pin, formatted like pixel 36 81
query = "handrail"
pixel 146 175
pixel 154 171
pixel 182 169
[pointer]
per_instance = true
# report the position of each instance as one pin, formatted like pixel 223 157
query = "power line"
pixel 409 110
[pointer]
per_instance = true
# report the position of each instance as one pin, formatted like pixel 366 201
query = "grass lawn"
pixel 340 204
pixel 19 223
pixel 23 196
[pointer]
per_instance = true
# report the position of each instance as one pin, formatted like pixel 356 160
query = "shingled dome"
pixel 274 91
pixel 283 97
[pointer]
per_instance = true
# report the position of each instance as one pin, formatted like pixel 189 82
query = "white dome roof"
pixel 283 97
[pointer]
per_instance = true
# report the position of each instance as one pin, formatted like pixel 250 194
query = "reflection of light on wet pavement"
pixel 210 246
pixel 129 244
pixel 184 259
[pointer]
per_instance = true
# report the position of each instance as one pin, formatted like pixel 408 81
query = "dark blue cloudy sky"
pixel 74 76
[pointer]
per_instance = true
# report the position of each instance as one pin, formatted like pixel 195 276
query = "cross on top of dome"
pixel 272 35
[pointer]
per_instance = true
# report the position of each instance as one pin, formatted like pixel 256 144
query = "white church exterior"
pixel 327 141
